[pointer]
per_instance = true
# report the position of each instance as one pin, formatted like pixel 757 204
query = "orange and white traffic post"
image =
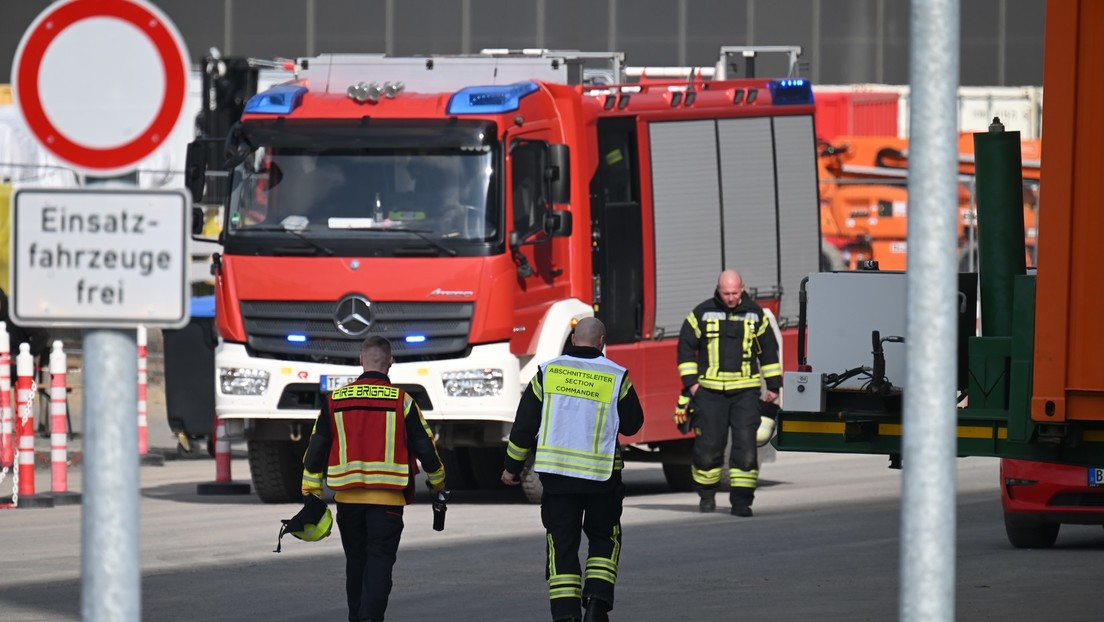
pixel 59 429
pixel 24 415
pixel 144 454
pixel 223 484
pixel 7 439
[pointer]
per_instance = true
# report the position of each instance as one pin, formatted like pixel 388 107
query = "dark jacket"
pixel 527 423
pixel 728 349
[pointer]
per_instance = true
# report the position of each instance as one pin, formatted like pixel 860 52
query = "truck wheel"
pixel 677 456
pixel 277 469
pixel 530 483
pixel 678 476
pixel 1027 533
pixel 485 464
pixel 457 476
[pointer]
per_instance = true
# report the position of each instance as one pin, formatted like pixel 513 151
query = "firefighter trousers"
pixel 566 517
pixel 370 536
pixel 718 413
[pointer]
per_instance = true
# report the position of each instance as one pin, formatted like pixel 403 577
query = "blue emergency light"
pixel 792 92
pixel 415 338
pixel 297 338
pixel 489 99
pixel 280 99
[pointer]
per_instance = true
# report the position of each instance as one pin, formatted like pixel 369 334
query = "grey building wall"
pixel 844 41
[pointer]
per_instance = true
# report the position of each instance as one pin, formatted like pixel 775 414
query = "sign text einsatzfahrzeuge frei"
pixel 109 258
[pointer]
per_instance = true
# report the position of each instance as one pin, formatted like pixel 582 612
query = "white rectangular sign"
pixel 100 257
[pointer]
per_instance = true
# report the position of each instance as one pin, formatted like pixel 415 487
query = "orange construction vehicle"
pixel 864 201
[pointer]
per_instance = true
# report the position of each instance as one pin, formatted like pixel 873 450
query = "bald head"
pixel 730 287
pixel 589 332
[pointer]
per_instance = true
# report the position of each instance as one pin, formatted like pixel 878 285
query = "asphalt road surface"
pixel 823 545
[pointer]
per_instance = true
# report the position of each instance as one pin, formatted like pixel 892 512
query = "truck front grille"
pixel 441 327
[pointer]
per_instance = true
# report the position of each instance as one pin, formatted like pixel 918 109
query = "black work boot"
pixel 597 610
pixel 741 502
pixel 707 504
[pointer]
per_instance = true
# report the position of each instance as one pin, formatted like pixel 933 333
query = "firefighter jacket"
pixel 363 442
pixel 726 349
pixel 571 414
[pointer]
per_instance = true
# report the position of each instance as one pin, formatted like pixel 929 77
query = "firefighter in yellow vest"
pixel 363 445
pixel 571 414
pixel 726 349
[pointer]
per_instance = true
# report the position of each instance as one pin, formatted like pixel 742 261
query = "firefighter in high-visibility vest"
pixel 569 418
pixel 726 349
pixel 363 445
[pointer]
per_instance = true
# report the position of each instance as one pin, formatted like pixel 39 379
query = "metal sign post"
pixel 929 442
pixel 101 85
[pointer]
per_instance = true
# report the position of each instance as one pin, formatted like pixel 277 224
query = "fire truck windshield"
pixel 335 186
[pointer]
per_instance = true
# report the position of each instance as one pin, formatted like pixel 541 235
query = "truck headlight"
pixel 472 382
pixel 243 381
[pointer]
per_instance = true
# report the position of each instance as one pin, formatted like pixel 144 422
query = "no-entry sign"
pixel 101 83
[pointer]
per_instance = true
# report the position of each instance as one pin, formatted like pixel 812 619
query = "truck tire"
pixel 678 476
pixel 1029 533
pixel 676 457
pixel 485 466
pixel 457 475
pixel 277 469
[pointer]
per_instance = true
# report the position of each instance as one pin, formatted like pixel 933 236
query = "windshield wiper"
pixel 297 232
pixel 451 252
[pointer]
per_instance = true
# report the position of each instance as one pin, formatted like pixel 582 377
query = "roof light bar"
pixel 793 92
pixel 280 99
pixel 489 99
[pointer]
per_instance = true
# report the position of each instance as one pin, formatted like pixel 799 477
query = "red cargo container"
pixel 845 113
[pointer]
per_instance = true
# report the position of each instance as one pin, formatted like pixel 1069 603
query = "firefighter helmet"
pixel 313 532
pixel 765 432
pixel 313 523
pixel 767 413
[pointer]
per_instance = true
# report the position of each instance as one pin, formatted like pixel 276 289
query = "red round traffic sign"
pixel 91 116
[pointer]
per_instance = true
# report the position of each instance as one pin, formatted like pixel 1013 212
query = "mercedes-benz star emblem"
pixel 353 315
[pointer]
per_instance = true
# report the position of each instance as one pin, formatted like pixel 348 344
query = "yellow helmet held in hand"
pixel 313 523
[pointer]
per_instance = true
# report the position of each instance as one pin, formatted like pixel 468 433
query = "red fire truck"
pixel 471 209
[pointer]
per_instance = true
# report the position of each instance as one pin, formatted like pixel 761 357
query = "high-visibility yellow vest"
pixel 579 424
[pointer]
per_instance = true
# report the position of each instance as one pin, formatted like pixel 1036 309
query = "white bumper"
pixel 427 375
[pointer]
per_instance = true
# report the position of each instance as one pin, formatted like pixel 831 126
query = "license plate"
pixel 1096 476
pixel 329 383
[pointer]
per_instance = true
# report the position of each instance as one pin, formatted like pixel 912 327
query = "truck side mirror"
pixel 195 169
pixel 557 223
pixel 197 221
pixel 558 174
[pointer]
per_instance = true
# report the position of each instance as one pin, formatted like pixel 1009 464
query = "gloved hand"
pixel 684 412
pixel 682 409
pixel 435 481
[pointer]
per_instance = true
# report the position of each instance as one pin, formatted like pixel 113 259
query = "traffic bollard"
pixel 223 484
pixel 59 432
pixel 24 415
pixel 144 455
pixel 7 439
